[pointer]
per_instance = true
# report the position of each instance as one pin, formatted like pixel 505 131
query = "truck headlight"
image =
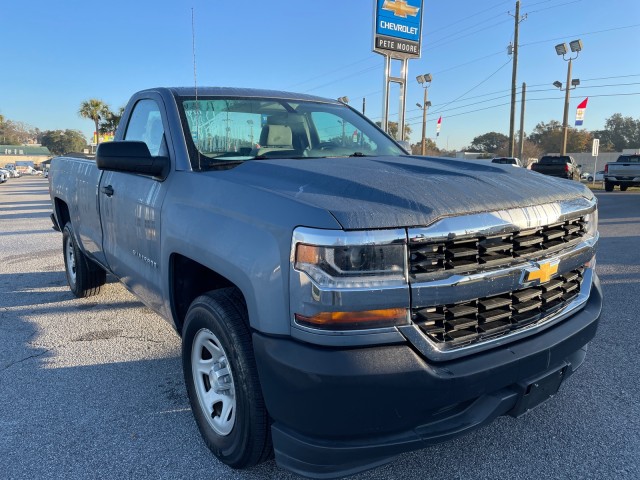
pixel 354 259
pixel 591 223
pixel 352 265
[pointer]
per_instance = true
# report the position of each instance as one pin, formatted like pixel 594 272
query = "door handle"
pixel 108 190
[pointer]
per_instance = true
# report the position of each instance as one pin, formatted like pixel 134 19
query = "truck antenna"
pixel 195 85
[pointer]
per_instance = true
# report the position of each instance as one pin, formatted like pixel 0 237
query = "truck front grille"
pixel 483 318
pixel 466 254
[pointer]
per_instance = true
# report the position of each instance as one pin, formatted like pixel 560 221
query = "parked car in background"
pixel 624 172
pixel 563 166
pixel 507 161
pixel 590 177
pixel 4 175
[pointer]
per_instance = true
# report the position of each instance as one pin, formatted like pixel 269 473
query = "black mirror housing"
pixel 131 157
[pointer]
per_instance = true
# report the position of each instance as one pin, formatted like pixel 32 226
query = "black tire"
pixel 608 186
pixel 217 322
pixel 623 188
pixel 590 178
pixel 83 275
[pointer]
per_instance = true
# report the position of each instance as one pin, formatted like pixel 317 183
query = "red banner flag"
pixel 580 111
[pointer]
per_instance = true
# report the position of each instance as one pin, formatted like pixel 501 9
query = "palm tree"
pixel 94 109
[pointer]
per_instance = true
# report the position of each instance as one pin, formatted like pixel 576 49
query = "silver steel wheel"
pixel 71 260
pixel 213 380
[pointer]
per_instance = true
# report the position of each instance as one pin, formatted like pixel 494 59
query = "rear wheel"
pixel 608 186
pixel 222 379
pixel 83 275
pixel 623 188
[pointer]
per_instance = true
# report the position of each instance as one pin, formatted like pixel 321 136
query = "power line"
pixel 554 6
pixel 476 86
pixel 583 34
pixel 474 15
pixel 442 42
pixel 615 76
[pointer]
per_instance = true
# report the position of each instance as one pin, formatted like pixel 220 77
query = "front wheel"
pixel 83 275
pixel 608 186
pixel 222 379
pixel 623 188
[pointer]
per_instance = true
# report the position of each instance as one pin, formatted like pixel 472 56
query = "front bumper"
pixel 340 411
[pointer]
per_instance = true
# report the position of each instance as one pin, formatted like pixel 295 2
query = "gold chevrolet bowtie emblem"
pixel 543 273
pixel 400 8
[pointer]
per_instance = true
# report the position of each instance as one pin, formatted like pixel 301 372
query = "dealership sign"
pixel 398 27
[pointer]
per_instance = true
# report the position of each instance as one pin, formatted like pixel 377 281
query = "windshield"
pixel 231 130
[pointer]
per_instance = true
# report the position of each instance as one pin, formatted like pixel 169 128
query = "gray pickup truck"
pixel 624 172
pixel 339 301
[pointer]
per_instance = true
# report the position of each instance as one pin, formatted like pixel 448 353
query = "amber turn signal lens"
pixel 307 254
pixel 355 320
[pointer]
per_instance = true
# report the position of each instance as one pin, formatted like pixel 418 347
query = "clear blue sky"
pixel 54 55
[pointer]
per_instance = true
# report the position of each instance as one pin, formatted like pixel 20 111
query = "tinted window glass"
pixel 145 125
pixel 554 160
pixel 225 129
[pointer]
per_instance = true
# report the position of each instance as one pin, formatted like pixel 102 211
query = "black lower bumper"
pixel 340 411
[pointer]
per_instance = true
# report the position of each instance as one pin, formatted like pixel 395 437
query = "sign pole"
pixel 595 149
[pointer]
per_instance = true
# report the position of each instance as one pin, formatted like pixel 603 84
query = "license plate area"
pixel 537 391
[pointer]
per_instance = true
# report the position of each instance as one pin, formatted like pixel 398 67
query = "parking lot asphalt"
pixel 93 388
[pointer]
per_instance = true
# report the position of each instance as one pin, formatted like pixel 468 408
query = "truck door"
pixel 130 206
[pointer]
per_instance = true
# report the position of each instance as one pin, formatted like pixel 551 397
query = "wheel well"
pixel 190 279
pixel 62 213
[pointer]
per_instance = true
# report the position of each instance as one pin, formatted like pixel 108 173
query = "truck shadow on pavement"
pixel 82 391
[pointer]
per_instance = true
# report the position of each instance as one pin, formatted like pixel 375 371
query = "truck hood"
pixel 388 192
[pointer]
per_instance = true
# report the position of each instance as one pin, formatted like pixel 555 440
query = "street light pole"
pixel 424 124
pixel 424 81
pixel 565 118
pixel 561 49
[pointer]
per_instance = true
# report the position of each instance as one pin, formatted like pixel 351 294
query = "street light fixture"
pixel 424 78
pixel 561 49
pixel 424 81
pixel 576 45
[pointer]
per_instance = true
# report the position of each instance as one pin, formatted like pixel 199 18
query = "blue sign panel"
pixel 398 27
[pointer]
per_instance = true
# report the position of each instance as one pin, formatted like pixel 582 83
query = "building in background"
pixel 16 154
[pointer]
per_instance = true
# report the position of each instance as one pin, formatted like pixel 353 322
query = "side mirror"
pixel 131 157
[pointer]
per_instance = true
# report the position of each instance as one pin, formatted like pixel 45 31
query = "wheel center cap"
pixel 220 378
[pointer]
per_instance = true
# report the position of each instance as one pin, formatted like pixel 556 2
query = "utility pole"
pixel 512 121
pixel 522 104
pixel 364 104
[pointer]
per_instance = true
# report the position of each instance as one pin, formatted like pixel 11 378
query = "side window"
pixel 145 125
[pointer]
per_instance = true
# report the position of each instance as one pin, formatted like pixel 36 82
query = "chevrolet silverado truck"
pixel 562 166
pixel 339 301
pixel 624 172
